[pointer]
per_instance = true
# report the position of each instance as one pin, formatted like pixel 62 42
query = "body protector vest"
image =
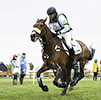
pixel 59 24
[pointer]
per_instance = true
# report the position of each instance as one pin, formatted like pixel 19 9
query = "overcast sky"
pixel 18 16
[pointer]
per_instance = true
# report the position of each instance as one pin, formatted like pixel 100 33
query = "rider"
pixel 59 25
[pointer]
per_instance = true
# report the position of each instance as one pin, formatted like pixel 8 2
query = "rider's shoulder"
pixel 62 16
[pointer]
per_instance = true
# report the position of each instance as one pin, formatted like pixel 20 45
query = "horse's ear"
pixel 38 20
pixel 44 20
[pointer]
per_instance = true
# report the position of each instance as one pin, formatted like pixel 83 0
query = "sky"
pixel 17 18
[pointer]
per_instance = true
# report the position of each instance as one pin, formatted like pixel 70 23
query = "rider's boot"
pixel 72 56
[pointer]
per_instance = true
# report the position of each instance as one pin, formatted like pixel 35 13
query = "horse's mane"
pixel 53 34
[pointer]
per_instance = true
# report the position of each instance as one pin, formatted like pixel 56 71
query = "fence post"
pixel 33 75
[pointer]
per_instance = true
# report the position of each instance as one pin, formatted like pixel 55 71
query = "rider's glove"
pixel 59 36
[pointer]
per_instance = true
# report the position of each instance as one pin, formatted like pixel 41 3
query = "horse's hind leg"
pixel 80 75
pixel 42 69
pixel 58 73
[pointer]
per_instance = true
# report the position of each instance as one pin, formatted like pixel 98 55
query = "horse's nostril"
pixel 32 35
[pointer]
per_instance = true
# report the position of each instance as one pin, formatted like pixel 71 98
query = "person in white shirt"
pixel 15 69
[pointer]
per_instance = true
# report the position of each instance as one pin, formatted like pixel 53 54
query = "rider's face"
pixel 52 16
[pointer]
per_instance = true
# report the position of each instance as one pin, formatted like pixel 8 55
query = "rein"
pixel 56 48
pixel 47 56
pixel 46 43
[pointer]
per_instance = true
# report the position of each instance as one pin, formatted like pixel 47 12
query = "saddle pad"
pixel 76 46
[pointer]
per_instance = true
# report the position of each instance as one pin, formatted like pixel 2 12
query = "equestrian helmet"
pixel 51 10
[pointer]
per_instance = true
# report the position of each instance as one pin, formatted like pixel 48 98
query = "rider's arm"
pixel 64 23
pixel 52 30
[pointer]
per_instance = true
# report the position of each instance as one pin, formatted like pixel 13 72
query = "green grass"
pixel 86 89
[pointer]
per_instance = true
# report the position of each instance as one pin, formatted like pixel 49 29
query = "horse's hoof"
pixel 45 88
pixel 64 91
pixel 71 89
pixel 63 94
pixel 73 84
pixel 55 83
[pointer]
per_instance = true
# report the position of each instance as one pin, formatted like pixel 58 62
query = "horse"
pixel 55 57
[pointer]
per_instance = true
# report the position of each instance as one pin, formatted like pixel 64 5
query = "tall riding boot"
pixel 72 56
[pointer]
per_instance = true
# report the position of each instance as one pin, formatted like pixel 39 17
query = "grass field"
pixel 86 89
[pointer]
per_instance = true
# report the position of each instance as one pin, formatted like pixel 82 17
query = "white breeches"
pixel 67 37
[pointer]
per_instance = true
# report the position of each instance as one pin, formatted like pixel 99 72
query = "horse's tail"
pixel 92 52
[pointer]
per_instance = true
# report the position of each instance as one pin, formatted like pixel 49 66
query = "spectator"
pixel 23 67
pixel 15 69
pixel 100 70
pixel 96 69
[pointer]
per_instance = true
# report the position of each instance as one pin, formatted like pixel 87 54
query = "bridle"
pixel 40 39
pixel 47 56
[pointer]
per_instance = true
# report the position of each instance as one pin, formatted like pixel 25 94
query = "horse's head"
pixel 38 29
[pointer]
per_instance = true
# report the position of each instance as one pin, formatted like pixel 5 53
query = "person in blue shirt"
pixel 23 67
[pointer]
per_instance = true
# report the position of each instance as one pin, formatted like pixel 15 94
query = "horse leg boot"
pixel 72 79
pixel 64 89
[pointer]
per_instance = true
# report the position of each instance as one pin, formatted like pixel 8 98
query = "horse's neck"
pixel 49 34
pixel 48 37
pixel 48 40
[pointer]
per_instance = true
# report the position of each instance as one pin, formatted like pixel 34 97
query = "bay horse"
pixel 54 56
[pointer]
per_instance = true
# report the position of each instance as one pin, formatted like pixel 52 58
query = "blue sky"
pixel 18 16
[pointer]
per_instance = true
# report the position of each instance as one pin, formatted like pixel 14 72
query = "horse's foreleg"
pixel 42 69
pixel 64 89
pixel 68 72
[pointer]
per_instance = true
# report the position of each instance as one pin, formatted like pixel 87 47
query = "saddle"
pixel 75 44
